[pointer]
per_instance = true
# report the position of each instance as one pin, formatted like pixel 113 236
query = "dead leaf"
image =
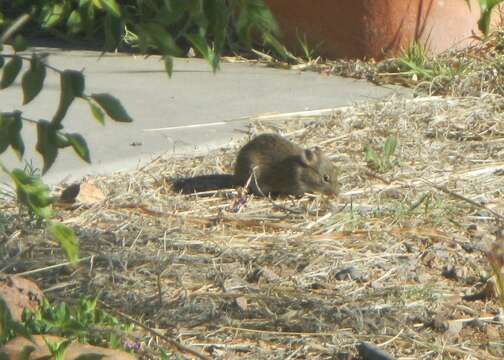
pixel 90 194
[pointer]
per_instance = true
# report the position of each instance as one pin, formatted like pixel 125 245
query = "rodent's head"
pixel 318 173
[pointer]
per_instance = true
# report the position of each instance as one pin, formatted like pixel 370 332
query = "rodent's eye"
pixel 326 178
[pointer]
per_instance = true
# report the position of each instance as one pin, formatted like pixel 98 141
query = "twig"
pixel 20 21
pixel 463 198
pixel 286 333
pixel 51 267
pixel 170 341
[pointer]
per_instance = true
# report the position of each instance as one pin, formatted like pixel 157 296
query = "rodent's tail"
pixel 202 183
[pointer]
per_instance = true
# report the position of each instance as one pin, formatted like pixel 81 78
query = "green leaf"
pixel 98 113
pixel 486 7
pixel 19 43
pixel 33 193
pixel 10 132
pixel 21 330
pixel 74 22
pixel 113 32
pixel 61 140
pixel 80 146
pixel 160 38
pixel 168 63
pixel 111 7
pixel 58 348
pixel 53 15
pixel 5 319
pixel 112 107
pixel 164 355
pixel 389 147
pixel 202 47
pixel 370 155
pixel 47 143
pixel 218 14
pixel 33 79
pixel 67 239
pixel 17 145
pixel 72 85
pixel 2 61
pixel 11 71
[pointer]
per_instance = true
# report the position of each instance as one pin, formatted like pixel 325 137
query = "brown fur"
pixel 284 168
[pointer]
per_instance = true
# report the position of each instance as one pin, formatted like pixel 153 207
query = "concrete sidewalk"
pixel 193 96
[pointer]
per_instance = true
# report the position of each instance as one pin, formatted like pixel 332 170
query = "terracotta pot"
pixel 375 28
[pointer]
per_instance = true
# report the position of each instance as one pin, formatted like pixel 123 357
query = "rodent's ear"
pixel 308 157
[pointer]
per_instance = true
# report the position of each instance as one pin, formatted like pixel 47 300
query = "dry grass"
pixel 236 276
pixel 468 72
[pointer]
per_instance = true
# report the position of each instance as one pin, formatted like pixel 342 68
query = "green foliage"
pixel 84 322
pixel 486 6
pixel 112 107
pixel 170 27
pixel 415 62
pixel 10 133
pixel 66 238
pixel 33 79
pixel 33 193
pixel 8 327
pixel 58 348
pixel 11 71
pixel 51 137
pixel 381 161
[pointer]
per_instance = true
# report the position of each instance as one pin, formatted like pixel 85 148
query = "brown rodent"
pixel 284 168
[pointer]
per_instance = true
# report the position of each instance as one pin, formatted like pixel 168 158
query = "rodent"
pixel 284 168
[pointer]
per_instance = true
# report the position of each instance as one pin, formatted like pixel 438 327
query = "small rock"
pixel 454 327
pixel 439 324
pixel 492 332
pixel 20 293
pixel 454 272
pixel 477 324
pixel 233 284
pixel 14 348
pixel 369 351
pixel 472 227
pixel 350 273
pixel 242 303
pixel 470 247
pixel 481 199
pixel 269 275
pixel 490 291
pixel 90 194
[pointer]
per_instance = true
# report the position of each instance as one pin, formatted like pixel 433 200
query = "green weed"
pixel 84 322
pixel 381 161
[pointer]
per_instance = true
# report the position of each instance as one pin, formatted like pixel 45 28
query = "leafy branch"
pixel 51 137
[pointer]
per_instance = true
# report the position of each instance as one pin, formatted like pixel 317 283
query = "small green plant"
pixel 309 53
pixel 381 161
pixel 84 322
pixel 58 348
pixel 415 62
pixel 8 327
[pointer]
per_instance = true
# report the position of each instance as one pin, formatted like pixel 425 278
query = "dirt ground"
pixel 400 259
